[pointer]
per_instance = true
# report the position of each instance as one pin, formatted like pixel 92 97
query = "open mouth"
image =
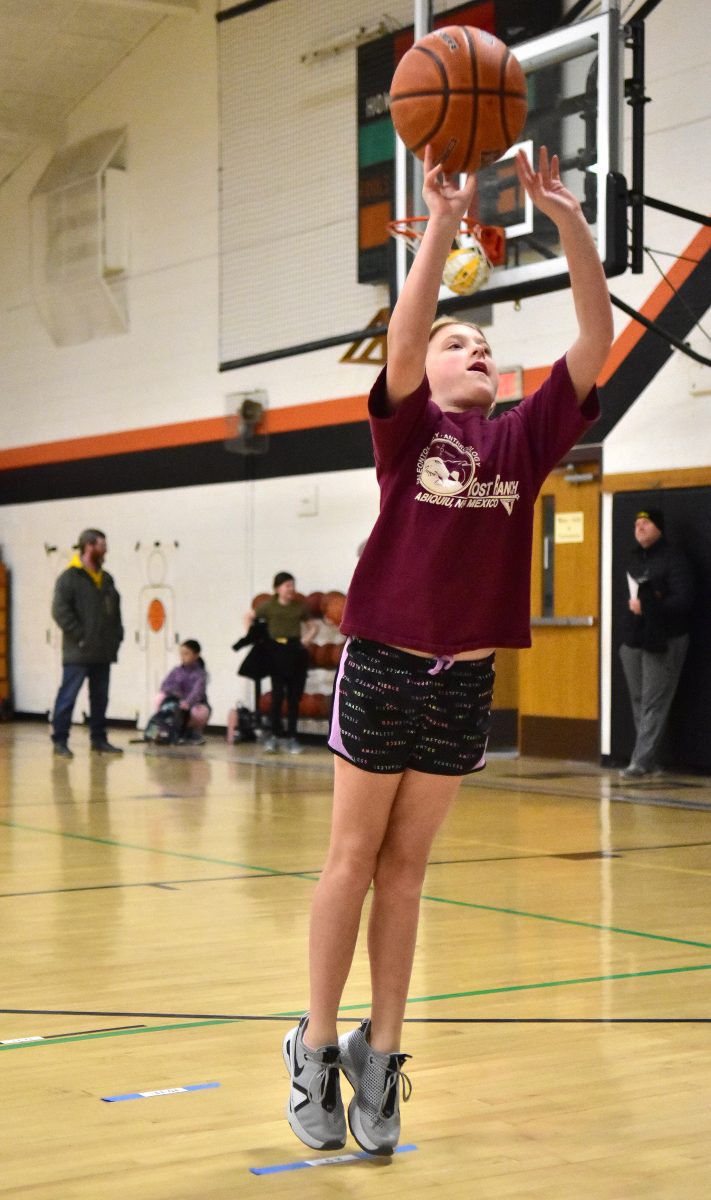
pixel 478 366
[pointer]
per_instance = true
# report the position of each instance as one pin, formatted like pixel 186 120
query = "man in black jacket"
pixel 87 608
pixel 656 635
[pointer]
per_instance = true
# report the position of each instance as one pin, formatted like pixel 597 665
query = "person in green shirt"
pixel 291 629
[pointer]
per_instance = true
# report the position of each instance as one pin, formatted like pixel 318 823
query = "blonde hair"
pixel 441 322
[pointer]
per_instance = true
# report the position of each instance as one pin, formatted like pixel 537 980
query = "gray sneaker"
pixel 293 746
pixel 315 1109
pixel 374 1111
pixel 270 745
pixel 633 771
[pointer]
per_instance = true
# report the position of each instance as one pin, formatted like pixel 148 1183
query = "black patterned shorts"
pixel 393 710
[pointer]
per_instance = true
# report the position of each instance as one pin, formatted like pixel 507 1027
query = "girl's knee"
pixel 400 872
pixel 352 869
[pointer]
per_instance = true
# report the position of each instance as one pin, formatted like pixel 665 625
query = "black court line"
pixel 551 775
pixel 173 884
pixel 660 801
pixel 626 794
pixel 659 781
pixel 556 1020
pixel 168 884
pixel 350 1019
pixel 661 846
pixel 613 850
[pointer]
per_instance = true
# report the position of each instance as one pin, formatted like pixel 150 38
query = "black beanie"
pixel 282 577
pixel 655 515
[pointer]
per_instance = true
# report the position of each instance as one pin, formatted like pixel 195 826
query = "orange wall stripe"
pixel 125 442
pixel 533 377
pixel 187 433
pixel 311 416
pixel 678 273
pixel 322 412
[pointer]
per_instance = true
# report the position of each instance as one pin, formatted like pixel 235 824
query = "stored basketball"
pixel 462 90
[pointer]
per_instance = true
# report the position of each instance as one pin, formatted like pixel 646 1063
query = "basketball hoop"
pixel 477 248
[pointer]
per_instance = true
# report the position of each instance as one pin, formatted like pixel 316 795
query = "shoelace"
pixel 322 1086
pixel 394 1077
pixel 443 663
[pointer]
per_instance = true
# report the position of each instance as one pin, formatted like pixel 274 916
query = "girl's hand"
pixel 544 186
pixel 442 193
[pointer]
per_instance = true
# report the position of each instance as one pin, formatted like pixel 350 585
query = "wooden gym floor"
pixel 153 918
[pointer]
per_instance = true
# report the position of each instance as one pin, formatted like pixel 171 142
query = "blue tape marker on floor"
pixel 334 1160
pixel 191 1087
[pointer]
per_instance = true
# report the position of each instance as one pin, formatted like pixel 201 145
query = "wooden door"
pixel 559 702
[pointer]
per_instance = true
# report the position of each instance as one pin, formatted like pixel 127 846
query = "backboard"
pixel 575 92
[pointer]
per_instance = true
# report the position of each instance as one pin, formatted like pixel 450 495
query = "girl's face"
pixel 187 656
pixel 461 370
pixel 286 591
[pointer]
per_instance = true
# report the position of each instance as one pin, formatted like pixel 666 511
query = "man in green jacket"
pixel 87 608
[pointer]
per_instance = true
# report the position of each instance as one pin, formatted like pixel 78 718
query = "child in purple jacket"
pixel 188 684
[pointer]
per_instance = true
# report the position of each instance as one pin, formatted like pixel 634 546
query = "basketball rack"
pixel 475 250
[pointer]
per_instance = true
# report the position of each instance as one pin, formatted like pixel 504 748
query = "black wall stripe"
pixel 300 452
pixel 239 10
pixel 652 352
pixel 327 448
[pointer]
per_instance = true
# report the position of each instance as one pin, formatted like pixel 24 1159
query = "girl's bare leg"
pixel 362 803
pixel 421 804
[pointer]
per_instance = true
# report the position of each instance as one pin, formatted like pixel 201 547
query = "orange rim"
pixel 491 238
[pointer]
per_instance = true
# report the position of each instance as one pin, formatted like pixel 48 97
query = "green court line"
pixel 514 987
pixel 223 862
pixel 551 983
pixel 88 1037
pixel 516 912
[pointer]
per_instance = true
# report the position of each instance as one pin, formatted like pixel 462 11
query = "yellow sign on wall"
pixel 569 527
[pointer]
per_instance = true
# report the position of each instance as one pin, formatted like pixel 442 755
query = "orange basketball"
pixel 314 601
pixel 311 705
pixel 333 605
pixel 319 655
pixel 334 655
pixel 463 91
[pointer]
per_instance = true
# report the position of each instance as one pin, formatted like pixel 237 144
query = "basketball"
pixel 314 600
pixel 461 90
pixel 333 605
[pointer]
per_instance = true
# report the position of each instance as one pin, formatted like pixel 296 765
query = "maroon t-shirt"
pixel 447 566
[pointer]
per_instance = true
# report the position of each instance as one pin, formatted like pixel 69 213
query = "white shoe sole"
pixel 364 1141
pixel 292 1117
pixel 355 1126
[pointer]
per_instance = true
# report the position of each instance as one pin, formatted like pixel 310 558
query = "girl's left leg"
pixel 421 805
pixel 370 1055
pixel 362 804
